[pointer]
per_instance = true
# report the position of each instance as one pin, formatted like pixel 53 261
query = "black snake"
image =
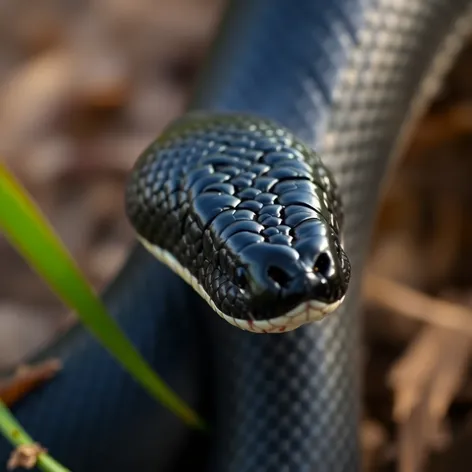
pixel 348 78
pixel 247 215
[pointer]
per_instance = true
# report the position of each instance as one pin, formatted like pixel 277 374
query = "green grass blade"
pixel 27 229
pixel 12 430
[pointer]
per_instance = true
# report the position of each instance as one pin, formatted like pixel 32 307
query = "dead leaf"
pixel 25 456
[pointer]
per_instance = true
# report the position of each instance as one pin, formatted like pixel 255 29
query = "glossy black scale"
pixel 247 208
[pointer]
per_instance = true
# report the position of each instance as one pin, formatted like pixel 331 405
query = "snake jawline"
pixel 302 314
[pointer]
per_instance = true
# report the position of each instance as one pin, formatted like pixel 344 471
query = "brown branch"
pixel 408 302
pixel 425 381
pixel 26 379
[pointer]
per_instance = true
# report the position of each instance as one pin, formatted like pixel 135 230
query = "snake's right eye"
pixel 241 278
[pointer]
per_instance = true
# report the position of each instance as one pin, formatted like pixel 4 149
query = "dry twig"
pixel 405 301
pixel 25 456
pixel 425 382
pixel 26 379
pixel 427 377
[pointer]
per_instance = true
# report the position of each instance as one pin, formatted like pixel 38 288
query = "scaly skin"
pixel 343 76
pixel 247 214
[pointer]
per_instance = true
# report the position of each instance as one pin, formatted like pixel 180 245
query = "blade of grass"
pixel 27 230
pixel 12 430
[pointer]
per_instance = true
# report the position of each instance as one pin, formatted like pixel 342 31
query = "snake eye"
pixel 241 278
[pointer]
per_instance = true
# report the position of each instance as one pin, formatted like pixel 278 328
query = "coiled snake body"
pixel 348 77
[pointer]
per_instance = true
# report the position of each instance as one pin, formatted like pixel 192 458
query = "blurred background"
pixel 85 86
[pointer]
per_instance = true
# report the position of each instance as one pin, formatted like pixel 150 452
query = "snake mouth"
pixel 305 313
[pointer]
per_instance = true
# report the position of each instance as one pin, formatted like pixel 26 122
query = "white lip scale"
pixel 302 314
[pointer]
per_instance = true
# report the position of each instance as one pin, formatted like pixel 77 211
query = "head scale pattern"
pixel 246 213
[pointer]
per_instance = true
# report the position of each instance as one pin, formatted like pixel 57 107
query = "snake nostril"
pixel 279 276
pixel 322 264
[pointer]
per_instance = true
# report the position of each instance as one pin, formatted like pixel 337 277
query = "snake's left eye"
pixel 241 278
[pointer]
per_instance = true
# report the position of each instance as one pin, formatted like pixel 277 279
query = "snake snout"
pixel 325 285
pixel 279 281
pixel 270 270
pixel 274 292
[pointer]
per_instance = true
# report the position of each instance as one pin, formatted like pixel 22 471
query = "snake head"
pixel 245 213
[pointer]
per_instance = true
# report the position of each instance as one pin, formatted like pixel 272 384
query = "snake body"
pixel 348 77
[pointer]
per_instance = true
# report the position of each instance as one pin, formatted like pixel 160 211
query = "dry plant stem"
pixel 25 456
pixel 450 374
pixel 26 379
pixel 440 128
pixel 435 363
pixel 410 376
pixel 373 441
pixel 412 447
pixel 385 293
pixel 427 377
pixel 425 381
